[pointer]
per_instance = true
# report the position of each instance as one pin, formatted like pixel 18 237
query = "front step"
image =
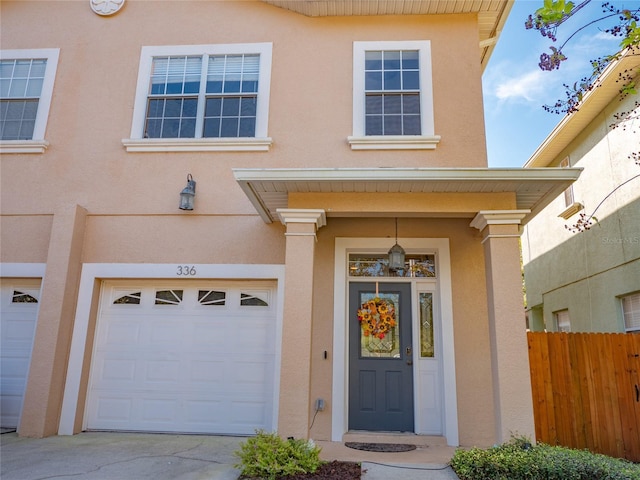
pixel 393 437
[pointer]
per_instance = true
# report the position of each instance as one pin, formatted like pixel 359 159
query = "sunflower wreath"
pixel 376 317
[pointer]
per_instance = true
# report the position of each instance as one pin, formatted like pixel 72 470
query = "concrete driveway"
pixel 141 456
pixel 123 456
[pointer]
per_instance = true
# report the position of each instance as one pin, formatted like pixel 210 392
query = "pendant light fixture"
pixel 396 254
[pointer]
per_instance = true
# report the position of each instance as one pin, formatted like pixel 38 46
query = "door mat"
pixel 381 447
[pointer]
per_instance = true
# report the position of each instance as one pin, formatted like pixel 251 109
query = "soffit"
pixel 492 14
pixel 534 188
pixel 593 103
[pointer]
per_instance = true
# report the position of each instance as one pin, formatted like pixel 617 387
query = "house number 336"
pixel 186 270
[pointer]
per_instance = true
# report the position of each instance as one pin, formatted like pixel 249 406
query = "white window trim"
pixel 261 142
pixel 428 140
pixel 94 272
pixel 559 318
pixel 37 144
pixel 628 329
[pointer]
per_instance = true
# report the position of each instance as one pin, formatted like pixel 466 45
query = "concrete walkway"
pixel 141 456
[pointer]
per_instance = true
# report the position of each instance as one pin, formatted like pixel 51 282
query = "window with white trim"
pixel 631 312
pixel 568 193
pixel 392 96
pixel 563 322
pixel 26 87
pixel 202 97
pixel 572 207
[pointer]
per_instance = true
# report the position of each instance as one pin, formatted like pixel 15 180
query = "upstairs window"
pixel 26 87
pixel 393 98
pixel 392 92
pixel 202 94
pixel 229 83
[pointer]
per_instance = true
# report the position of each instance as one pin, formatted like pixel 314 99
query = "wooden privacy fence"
pixel 586 391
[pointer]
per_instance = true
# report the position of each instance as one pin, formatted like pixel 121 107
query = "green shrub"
pixel 268 456
pixel 519 460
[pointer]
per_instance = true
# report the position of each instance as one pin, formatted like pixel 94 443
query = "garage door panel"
pixel 184 367
pixel 120 333
pixel 207 373
pixel 10 406
pixel 18 315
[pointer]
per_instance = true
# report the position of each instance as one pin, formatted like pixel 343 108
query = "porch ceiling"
pixel 492 14
pixel 534 188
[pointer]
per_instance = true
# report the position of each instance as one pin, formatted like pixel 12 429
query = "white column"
pixel 295 378
pixel 513 406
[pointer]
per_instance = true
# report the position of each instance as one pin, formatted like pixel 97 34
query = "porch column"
pixel 513 405
pixel 45 385
pixel 295 377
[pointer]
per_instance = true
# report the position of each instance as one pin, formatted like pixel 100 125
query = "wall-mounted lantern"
pixel 188 194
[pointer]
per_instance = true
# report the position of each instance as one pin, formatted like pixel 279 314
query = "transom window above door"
pixel 377 265
pixel 202 97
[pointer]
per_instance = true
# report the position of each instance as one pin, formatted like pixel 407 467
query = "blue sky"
pixel 515 88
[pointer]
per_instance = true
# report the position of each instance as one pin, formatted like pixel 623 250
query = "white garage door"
pixel 18 315
pixel 184 357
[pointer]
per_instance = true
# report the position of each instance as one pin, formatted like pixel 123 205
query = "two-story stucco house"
pixel 589 280
pixel 308 138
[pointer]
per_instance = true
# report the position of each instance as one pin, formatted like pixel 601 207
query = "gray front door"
pixel 380 357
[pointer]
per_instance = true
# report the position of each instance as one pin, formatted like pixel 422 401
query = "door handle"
pixel 409 358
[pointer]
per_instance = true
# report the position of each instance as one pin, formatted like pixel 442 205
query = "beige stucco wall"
pixel 24 238
pixel 130 200
pixel 91 109
pixel 587 272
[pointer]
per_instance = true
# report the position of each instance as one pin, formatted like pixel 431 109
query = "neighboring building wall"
pixel 588 272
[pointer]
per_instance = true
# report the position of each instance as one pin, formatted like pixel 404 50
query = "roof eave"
pixel 592 104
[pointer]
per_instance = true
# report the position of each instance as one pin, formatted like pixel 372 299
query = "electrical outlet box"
pixel 320 404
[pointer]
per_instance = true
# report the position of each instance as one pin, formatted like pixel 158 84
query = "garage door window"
pixel 249 300
pixel 132 298
pixel 212 297
pixel 169 297
pixel 22 297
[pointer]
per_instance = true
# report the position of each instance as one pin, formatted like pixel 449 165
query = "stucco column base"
pixel 295 378
pixel 45 387
pixel 513 405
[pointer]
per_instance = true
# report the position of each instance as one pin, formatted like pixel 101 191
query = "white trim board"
pixel 23 270
pixel 339 421
pixel 98 271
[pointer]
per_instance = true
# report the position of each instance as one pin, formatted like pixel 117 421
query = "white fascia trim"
pixel 394 142
pixel 22 270
pixel 92 272
pixel 246 144
pixel 405 174
pixel 339 419
pixel 23 146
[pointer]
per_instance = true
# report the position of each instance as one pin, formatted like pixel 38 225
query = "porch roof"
pixel 534 188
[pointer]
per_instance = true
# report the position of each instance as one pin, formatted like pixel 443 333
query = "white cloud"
pixel 528 86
